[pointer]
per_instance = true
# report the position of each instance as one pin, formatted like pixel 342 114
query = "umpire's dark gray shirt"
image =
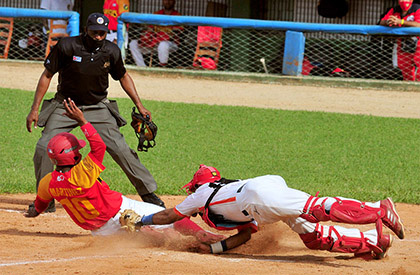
pixel 83 75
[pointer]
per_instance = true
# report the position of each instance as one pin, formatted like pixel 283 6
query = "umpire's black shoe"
pixel 152 198
pixel 51 207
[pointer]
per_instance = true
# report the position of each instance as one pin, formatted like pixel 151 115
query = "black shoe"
pixel 31 207
pixel 51 207
pixel 152 198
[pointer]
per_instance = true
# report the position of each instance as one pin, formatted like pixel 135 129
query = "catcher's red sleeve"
pixel 187 226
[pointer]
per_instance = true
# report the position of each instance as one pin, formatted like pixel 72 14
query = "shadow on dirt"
pixel 309 259
pixel 19 201
pixel 16 201
pixel 17 232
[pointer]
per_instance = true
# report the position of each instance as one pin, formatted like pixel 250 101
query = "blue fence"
pixel 250 33
pixel 72 17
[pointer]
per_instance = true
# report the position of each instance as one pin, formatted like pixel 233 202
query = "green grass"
pixel 362 157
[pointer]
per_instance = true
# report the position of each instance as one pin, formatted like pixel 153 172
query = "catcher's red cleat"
pixel 384 243
pixel 391 218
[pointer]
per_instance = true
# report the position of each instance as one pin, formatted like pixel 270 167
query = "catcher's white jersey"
pixel 264 199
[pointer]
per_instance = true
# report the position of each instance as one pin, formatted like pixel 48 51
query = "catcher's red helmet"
pixel 203 175
pixel 63 149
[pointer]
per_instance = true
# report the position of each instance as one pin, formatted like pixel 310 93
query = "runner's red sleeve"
pixel 40 204
pixel 97 145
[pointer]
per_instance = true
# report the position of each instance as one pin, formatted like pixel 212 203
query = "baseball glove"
pixel 128 220
pixel 145 130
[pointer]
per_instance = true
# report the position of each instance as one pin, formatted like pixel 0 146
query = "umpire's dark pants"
pixel 105 123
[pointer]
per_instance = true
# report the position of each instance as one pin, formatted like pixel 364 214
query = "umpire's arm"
pixel 128 86
pixel 42 87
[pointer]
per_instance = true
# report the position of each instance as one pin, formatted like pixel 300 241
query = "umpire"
pixel 83 64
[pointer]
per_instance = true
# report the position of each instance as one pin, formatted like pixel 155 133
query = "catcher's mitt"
pixel 145 131
pixel 128 220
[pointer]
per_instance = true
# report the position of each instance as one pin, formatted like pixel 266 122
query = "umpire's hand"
pixel 31 118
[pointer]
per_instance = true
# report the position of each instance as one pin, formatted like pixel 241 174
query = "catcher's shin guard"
pixel 328 238
pixel 344 211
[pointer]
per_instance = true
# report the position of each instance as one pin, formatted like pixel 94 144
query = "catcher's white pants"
pixel 141 208
pixel 268 199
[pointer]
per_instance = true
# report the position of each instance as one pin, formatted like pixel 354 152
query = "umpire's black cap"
pixel 97 22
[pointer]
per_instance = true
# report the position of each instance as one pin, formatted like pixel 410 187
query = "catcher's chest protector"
pixel 217 221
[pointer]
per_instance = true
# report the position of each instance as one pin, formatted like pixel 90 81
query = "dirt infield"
pixel 53 244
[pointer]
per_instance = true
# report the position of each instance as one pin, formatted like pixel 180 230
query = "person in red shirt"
pixel 77 185
pixel 163 38
pixel 406 14
pixel 113 9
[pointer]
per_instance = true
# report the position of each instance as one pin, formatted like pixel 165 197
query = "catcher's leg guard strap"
pixel 334 242
pixel 314 210
pixel 314 240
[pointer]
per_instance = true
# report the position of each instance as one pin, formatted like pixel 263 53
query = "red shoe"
pixel 391 218
pixel 384 243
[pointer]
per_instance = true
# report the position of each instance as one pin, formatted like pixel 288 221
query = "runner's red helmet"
pixel 203 175
pixel 63 149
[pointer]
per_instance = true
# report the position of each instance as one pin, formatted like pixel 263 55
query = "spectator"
pixel 165 38
pixel 56 5
pixel 83 63
pixel 33 44
pixel 406 14
pixel 113 9
pixel 35 37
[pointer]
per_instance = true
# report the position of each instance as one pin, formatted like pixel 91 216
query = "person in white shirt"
pixel 56 5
